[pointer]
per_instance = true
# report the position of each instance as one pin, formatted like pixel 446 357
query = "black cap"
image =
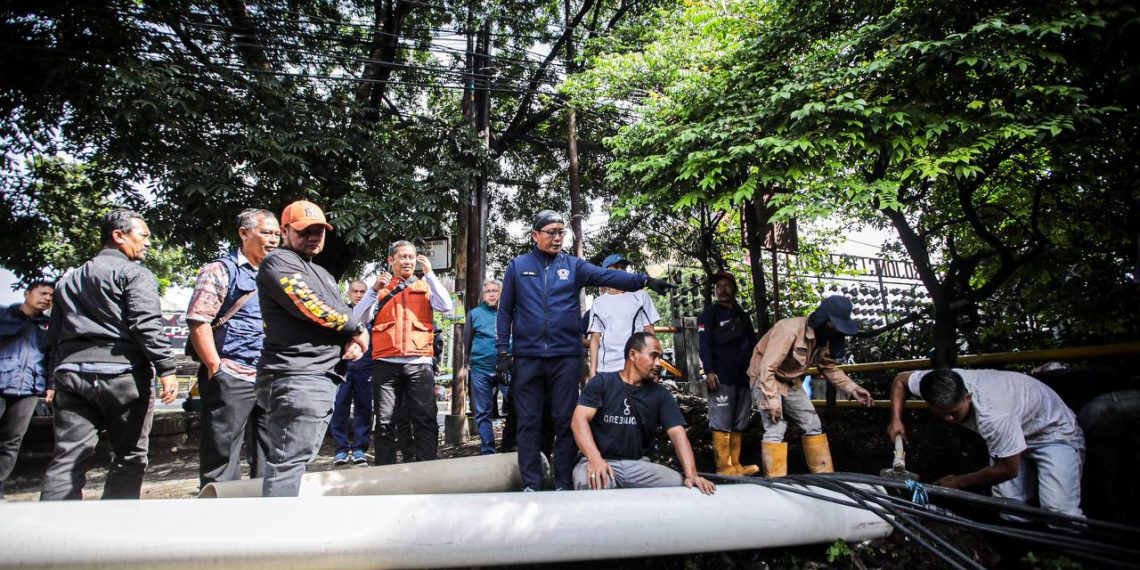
pixel 722 274
pixel 837 309
pixel 547 217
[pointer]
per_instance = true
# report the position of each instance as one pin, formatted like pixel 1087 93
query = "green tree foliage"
pixel 219 105
pixel 994 137
pixel 53 220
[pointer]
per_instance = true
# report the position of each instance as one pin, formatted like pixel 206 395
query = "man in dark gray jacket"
pixel 105 345
pixel 309 330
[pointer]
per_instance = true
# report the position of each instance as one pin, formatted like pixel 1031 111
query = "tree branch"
pixel 532 86
pixel 247 44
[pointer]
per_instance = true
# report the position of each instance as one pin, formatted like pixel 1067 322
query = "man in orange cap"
pixel 308 330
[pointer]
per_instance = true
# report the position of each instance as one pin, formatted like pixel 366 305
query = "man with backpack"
pixel 226 336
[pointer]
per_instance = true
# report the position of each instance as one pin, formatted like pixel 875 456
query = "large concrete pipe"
pixel 477 474
pixel 419 531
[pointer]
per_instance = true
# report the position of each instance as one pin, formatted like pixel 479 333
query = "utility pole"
pixel 572 146
pixel 471 243
pixel 477 217
pixel 456 424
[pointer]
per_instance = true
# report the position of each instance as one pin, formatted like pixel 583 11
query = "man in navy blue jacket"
pixel 23 377
pixel 539 307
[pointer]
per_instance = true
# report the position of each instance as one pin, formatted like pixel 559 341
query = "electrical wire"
pixel 1070 537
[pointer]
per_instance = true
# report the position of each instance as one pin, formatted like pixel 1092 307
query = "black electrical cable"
pixel 217 67
pixel 990 502
pixel 960 559
pixel 358 41
pixel 856 504
pixel 1064 541
pixel 1056 540
pixel 877 498
pixel 1073 545
pixel 885 503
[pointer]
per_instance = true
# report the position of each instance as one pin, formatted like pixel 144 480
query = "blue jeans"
pixel 482 389
pixel 354 393
pixel 1052 473
pixel 299 408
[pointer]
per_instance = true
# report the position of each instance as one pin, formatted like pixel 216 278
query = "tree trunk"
pixel 945 334
pixel 755 220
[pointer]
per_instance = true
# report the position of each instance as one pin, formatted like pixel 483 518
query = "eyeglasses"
pixel 552 233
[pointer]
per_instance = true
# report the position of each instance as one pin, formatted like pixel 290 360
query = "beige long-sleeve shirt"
pixel 783 356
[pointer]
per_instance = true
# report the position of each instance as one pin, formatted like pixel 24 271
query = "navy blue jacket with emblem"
pixel 539 304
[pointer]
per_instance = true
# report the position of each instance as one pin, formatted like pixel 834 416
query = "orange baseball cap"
pixel 302 214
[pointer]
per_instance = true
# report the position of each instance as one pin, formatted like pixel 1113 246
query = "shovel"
pixel 898 465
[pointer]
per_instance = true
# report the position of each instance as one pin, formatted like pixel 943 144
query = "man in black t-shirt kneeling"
pixel 614 423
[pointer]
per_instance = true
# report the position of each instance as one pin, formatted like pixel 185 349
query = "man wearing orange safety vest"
pixel 402 350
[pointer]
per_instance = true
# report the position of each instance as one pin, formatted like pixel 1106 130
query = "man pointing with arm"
pixel 539 307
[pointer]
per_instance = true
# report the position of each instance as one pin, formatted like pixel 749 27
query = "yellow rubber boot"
pixel 817 453
pixel 736 439
pixel 721 450
pixel 775 456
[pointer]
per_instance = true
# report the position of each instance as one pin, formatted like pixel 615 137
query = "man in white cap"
pixel 308 330
pixel 614 317
pixel 776 371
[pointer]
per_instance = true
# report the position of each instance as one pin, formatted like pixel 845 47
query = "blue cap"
pixel 612 260
pixel 837 309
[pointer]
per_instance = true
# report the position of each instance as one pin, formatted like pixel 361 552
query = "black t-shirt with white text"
pixel 614 426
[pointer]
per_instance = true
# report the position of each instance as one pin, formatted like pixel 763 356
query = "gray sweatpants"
pixel 299 409
pixel 797 408
pixel 630 474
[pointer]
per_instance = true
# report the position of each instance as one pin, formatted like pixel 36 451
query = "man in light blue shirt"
pixel 483 360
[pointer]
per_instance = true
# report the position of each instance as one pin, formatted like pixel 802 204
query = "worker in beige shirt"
pixel 776 372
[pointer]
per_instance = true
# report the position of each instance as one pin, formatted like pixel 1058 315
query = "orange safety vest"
pixel 403 326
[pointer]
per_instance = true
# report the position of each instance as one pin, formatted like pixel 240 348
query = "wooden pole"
pixel 466 207
pixel 572 147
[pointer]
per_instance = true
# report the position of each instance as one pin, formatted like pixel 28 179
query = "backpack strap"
pixel 231 273
pixel 238 304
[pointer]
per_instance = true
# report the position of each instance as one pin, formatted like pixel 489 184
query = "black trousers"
pixel 230 416
pixel 412 385
pixel 86 404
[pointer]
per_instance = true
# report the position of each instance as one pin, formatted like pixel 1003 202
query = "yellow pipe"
pixel 1069 353
pixel 672 369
